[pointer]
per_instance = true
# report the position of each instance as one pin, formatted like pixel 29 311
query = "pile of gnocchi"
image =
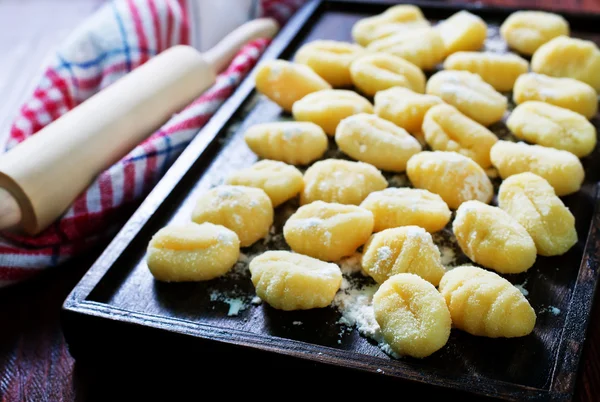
pixel 415 99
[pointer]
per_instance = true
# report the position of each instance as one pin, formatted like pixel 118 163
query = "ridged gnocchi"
pixel 462 31
pixel 404 107
pixel 531 200
pixel 296 143
pixel 447 129
pixel 245 210
pixel 327 108
pixel 344 182
pixel 395 19
pixel 561 169
pixel 470 94
pixel 553 126
pixel 491 237
pixel 192 252
pixel 289 281
pixel 413 315
pixel 452 176
pixel 369 138
pixel 526 31
pixel 328 231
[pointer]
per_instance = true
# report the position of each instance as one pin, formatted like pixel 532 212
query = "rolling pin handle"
pixel 10 212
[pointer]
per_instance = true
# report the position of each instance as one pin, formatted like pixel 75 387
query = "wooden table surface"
pixel 35 364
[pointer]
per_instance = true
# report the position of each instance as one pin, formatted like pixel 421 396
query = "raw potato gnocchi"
pixel 483 303
pixel 553 126
pixel 447 129
pixel 407 249
pixel 344 182
pixel 285 83
pixel 245 210
pixel 369 138
pixel 422 47
pixel 378 71
pixel 394 207
pixel 526 31
pixel 462 31
pixel 398 18
pixel 280 181
pixel 499 70
pixel 413 315
pixel 289 281
pixel 532 202
pixel 452 176
pixel 470 94
pixel 561 169
pixel 296 143
pixel 327 108
pixel 491 237
pixel 564 92
pixel 328 231
pixel 404 107
pixel 192 252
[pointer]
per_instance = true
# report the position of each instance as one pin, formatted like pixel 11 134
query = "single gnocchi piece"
pixel 422 47
pixel 378 71
pixel 285 83
pixel 470 94
pixel 452 176
pixel 192 252
pixel 406 249
pixel 553 126
pixel 564 92
pixel 462 31
pixel 245 210
pixel 340 181
pixel 330 59
pixel 447 129
pixel 499 70
pixel 369 138
pixel 296 143
pixel 328 231
pixel 531 200
pixel 394 207
pixel 395 19
pixel 526 31
pixel 413 315
pixel 561 169
pixel 280 181
pixel 404 107
pixel 491 237
pixel 550 58
pixel 483 303
pixel 289 281
pixel 327 108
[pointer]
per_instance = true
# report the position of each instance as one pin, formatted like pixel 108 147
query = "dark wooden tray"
pixel 118 310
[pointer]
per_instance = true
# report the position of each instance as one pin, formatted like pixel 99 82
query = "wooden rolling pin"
pixel 43 175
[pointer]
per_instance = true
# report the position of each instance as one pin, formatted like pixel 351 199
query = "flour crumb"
pixel 550 309
pixel 379 370
pixel 522 289
pixel 236 304
pixel 297 323
pixel 256 300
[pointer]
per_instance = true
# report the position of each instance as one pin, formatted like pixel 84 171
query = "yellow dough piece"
pixel 369 138
pixel 531 200
pixel 289 281
pixel 561 169
pixel 447 129
pixel 280 181
pixel 285 83
pixel 344 182
pixel 413 316
pixel 330 59
pixel 395 207
pixel 395 19
pixel 491 237
pixel 245 210
pixel 404 107
pixel 462 31
pixel 499 70
pixel 526 31
pixel 553 126
pixel 483 303
pixel 453 176
pixel 296 143
pixel 192 252
pixel 470 94
pixel 564 92
pixel 328 231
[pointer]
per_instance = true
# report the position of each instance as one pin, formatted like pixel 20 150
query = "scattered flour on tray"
pixel 236 304
pixel 550 309
pixel 521 288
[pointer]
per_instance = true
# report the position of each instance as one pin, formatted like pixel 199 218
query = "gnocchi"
pixel 462 31
pixel 526 31
pixel 395 19
pixel 404 107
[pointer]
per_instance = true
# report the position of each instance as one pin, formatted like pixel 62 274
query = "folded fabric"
pixel 119 37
